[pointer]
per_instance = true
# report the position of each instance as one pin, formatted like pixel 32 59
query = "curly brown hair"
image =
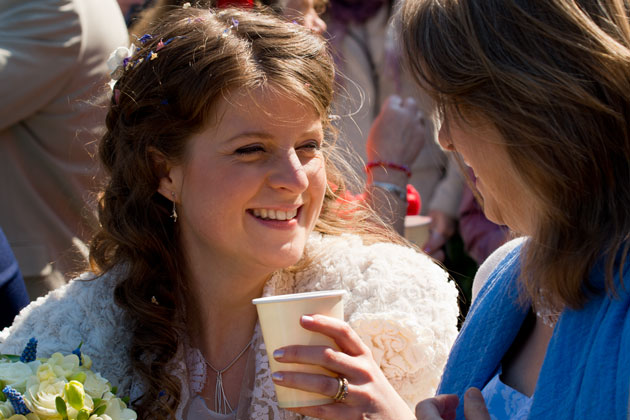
pixel 554 78
pixel 158 104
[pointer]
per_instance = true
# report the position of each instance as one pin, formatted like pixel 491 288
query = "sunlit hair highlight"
pixel 156 107
pixel 554 78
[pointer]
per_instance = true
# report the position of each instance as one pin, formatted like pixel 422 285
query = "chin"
pixel 284 258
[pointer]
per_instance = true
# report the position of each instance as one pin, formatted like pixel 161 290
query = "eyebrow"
pixel 266 136
pixel 255 134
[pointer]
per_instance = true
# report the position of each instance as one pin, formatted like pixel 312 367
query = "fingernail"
pixel 278 354
pixel 307 318
pixel 474 394
pixel 277 376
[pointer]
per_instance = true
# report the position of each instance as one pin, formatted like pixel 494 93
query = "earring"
pixel 174 214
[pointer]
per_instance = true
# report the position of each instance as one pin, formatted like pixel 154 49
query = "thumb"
pixel 475 406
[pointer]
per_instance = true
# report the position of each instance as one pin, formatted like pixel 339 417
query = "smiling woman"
pixel 219 154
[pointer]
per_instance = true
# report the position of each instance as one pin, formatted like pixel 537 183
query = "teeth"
pixel 271 214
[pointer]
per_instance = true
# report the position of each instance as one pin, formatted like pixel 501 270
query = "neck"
pixel 221 317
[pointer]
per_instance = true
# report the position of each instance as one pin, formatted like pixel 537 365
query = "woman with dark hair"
pixel 220 161
pixel 535 97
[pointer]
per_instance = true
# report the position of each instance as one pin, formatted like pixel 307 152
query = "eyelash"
pixel 249 150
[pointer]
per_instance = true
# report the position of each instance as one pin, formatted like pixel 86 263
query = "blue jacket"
pixel 586 371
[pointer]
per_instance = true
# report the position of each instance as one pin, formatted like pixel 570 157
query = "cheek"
pixel 316 173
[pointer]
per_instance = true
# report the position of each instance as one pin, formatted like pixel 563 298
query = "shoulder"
pixel 383 269
pixel 400 302
pixel 492 262
pixel 82 311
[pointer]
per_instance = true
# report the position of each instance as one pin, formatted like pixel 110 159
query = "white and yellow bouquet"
pixel 57 388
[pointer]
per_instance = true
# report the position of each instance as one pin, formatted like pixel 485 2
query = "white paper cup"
pixel 417 229
pixel 279 318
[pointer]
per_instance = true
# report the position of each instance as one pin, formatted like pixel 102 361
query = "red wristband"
pixel 390 165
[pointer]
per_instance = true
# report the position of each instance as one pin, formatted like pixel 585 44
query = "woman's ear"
pixel 170 175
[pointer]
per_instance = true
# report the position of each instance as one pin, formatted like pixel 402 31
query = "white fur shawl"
pixel 400 302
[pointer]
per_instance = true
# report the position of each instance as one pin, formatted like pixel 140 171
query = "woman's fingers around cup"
pixel 323 356
pixel 345 337
pixel 311 382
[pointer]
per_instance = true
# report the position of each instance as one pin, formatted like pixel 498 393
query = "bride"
pixel 220 162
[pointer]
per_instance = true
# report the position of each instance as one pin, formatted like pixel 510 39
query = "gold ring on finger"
pixel 342 390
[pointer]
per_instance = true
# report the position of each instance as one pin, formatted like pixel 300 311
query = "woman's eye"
pixel 310 146
pixel 249 150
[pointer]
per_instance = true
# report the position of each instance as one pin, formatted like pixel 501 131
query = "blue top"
pixel 586 370
pixel 13 295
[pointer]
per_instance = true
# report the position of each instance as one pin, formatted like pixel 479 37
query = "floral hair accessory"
pixel 234 25
pixel 118 60
pixel 185 5
pixel 145 38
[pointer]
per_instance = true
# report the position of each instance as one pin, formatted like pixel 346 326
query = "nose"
pixel 288 173
pixel 315 23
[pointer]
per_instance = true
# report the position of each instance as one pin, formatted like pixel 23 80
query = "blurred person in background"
pixel 53 56
pixel 367 52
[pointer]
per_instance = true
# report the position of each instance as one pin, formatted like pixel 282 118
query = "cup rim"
pixel 298 296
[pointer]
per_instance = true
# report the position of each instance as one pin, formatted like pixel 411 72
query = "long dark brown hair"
pixel 166 93
pixel 554 78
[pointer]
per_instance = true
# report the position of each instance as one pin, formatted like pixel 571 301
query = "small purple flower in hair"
pixel 145 38
pixel 235 23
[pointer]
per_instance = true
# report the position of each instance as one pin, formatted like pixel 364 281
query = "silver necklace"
pixel 221 403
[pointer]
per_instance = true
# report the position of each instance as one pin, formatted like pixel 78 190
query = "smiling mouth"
pixel 271 214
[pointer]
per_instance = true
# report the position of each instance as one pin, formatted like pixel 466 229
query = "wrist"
pixel 388 166
pixel 382 174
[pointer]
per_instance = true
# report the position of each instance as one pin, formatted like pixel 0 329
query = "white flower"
pixel 6 410
pixel 15 374
pixel 116 59
pixel 64 366
pixel 95 384
pixel 40 398
pixel 29 416
pixel 117 410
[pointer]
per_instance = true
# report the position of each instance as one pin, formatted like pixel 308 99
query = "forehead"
pixel 263 107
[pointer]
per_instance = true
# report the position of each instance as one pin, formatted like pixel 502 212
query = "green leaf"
pixel 125 400
pixel 83 414
pixel 100 410
pixel 10 357
pixel 60 404
pixel 114 390
pixel 96 401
